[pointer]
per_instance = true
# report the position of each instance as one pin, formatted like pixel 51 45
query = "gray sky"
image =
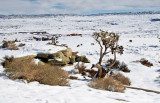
pixel 76 6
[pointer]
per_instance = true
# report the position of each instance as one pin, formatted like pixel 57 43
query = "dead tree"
pixel 108 42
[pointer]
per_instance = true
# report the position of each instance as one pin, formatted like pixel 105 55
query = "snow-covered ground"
pixel 138 28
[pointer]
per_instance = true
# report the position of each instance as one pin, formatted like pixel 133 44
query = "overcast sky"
pixel 76 6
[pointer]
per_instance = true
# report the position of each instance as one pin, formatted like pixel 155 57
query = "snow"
pixel 138 28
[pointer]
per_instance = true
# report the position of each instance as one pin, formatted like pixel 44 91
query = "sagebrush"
pixel 25 68
pixel 124 80
pixel 109 84
pixel 118 65
pixel 10 45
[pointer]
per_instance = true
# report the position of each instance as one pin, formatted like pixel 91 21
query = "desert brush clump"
pixel 10 45
pixel 7 60
pixel 120 77
pixel 80 68
pixel 21 45
pixel 117 65
pixel 25 68
pixel 111 61
pixel 145 62
pixel 109 84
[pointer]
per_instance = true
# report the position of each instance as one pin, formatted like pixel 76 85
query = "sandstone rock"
pixel 29 57
pixel 67 52
pixel 74 53
pixel 56 55
pixel 56 62
pixel 72 59
pixel 85 59
pixel 82 59
pixel 65 60
pixel 42 55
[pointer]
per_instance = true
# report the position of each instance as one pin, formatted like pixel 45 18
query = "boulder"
pixel 67 52
pixel 26 58
pixel 85 59
pixel 56 62
pixel 42 55
pixel 65 60
pixel 74 53
pixel 82 59
pixel 56 55
pixel 62 57
pixel 72 59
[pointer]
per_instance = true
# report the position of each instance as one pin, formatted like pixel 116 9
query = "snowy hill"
pixel 145 36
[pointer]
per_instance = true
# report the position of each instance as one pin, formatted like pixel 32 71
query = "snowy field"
pixel 145 36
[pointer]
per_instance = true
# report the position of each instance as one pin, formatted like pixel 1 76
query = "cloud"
pixel 74 6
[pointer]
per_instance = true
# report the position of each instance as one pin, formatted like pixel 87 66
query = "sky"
pixel 8 7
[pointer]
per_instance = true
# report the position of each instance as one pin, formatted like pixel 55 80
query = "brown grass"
pixel 145 62
pixel 6 61
pixel 25 68
pixel 21 45
pixel 109 84
pixel 10 45
pixel 124 80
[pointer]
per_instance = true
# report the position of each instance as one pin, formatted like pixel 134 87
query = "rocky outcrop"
pixel 62 57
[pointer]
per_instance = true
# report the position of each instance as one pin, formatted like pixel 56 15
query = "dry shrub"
pixel 22 68
pixel 123 67
pixel 10 45
pixel 21 45
pixel 80 67
pixel 124 80
pixel 145 62
pixel 109 84
pixel 6 61
pixel 111 61
pixel 120 66
pixel 91 73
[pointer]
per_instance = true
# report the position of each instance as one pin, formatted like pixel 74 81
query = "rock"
pixel 67 52
pixel 72 59
pixel 74 53
pixel 82 59
pixel 56 62
pixel 42 55
pixel 29 57
pixel 85 59
pixel 78 58
pixel 56 55
pixel 65 60
pixel 65 57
